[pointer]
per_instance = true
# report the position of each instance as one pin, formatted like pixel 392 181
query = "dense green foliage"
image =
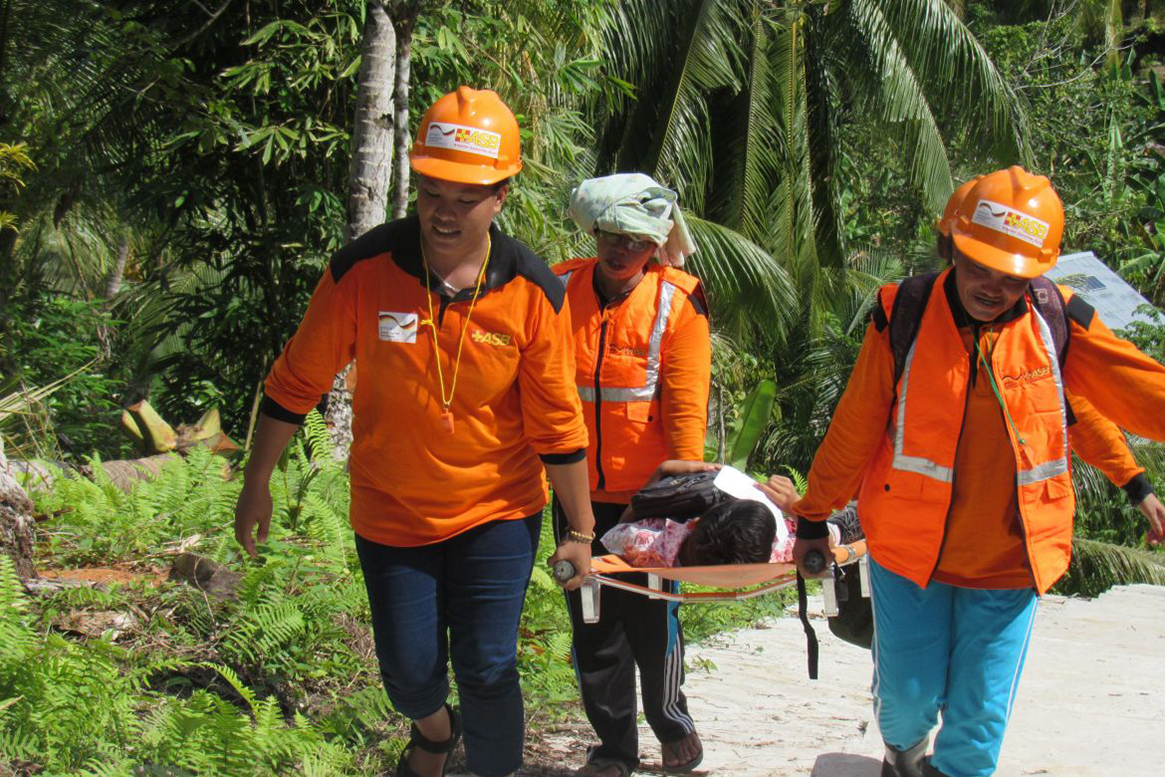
pixel 278 678
pixel 173 178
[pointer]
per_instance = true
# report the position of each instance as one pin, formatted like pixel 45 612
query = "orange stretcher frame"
pixel 731 577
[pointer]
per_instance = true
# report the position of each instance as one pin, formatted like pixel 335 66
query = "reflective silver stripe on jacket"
pixel 1049 469
pixel 915 464
pixel 645 392
pixel 1024 477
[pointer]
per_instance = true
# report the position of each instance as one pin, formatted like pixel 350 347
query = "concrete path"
pixel 1091 702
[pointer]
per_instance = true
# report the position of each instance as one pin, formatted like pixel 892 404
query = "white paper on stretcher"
pixel 735 483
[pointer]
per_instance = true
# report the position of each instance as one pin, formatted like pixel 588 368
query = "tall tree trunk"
pixel 404 56
pixel 371 170
pixel 370 174
pixel 113 282
pixel 16 522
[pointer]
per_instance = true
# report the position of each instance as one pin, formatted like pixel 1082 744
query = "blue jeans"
pixel 472 585
pixel 958 650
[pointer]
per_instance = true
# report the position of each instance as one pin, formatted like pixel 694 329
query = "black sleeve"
pixel 811 530
pixel 1138 488
pixel 563 458
pixel 277 411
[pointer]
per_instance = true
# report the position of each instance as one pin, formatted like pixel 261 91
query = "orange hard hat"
pixel 943 225
pixel 467 136
pixel 1010 221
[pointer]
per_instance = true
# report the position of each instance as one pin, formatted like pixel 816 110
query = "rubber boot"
pixel 906 763
pixel 930 771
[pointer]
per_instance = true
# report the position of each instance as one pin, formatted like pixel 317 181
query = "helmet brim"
pixel 460 172
pixel 999 259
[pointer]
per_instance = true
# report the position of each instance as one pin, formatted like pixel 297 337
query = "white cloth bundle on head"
pixel 636 205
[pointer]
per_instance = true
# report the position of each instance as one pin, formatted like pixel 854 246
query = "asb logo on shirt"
pixel 496 340
pixel 1030 376
pixel 1011 222
pixel 461 138
pixel 397 327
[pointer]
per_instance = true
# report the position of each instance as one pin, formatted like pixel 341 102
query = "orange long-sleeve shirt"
pixel 415 482
pixel 982 545
pixel 1101 443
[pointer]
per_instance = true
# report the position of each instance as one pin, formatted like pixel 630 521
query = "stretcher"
pixel 735 581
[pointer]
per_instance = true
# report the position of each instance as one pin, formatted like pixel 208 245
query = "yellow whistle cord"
pixel 446 402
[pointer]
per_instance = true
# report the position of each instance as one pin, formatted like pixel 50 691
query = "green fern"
pixel 315 431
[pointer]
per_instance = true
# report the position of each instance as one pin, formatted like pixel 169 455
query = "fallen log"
pixel 17 539
pixel 205 575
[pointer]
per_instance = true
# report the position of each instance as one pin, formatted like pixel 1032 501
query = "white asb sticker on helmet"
pixel 1011 222
pixel 461 138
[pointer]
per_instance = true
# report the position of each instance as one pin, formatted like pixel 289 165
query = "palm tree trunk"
pixel 113 283
pixel 370 174
pixel 372 130
pixel 16 522
pixel 404 55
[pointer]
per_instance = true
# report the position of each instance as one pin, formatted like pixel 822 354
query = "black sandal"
pixel 417 739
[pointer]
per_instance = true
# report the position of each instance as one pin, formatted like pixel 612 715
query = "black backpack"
pixel 678 497
pixel 854 622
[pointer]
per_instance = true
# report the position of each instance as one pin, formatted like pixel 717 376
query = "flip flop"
pixel 688 765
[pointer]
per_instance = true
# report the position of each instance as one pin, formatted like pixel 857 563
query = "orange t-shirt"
pixel 983 546
pixel 414 482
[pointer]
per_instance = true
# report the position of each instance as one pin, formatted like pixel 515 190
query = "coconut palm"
pixel 738 106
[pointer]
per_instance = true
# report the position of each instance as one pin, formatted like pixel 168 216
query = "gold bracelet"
pixel 578 536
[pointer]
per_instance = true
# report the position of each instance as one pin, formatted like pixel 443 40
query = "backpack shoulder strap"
pixel 906 315
pixel 1049 302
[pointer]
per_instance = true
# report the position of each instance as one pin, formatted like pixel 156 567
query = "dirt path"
pixel 1090 703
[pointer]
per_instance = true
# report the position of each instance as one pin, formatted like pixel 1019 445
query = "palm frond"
pixel 745 141
pixel 746 287
pixel 1098 566
pixel 958 76
pixel 23 400
pixel 902 101
pixel 669 135
pixel 790 231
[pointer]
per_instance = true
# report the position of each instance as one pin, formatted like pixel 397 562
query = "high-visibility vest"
pixel 619 351
pixel 906 491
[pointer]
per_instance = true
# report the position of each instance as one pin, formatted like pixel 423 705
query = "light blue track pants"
pixel 958 650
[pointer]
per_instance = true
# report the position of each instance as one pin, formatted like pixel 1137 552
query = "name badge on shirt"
pixel 398 327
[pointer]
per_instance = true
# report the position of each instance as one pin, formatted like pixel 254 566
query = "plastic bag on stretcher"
pixel 655 542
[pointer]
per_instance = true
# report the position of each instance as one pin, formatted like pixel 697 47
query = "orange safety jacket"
pixel 642 370
pixel 414 482
pixel 907 489
pixel 899 441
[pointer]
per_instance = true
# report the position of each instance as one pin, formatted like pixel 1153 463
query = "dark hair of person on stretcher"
pixel 736 531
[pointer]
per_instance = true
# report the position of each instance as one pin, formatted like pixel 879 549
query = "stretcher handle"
pixel 814 562
pixel 563 570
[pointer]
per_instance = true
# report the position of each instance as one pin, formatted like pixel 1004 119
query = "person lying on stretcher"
pixel 737 529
